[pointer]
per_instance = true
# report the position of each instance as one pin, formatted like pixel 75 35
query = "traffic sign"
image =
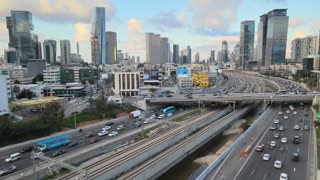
pixel 318 115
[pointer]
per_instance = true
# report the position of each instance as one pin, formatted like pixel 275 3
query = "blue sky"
pixel 202 24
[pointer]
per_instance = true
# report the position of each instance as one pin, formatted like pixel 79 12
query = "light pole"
pixel 75 119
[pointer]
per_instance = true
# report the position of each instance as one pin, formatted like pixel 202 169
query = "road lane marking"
pixel 298 150
pixel 252 172
pixel 294 169
pixel 3 157
pixel 264 176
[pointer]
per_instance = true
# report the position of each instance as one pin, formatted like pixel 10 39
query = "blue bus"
pixel 54 143
pixel 170 109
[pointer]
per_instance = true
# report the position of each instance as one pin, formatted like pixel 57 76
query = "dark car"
pixel 189 97
pixel 58 153
pixel 74 143
pixel 94 140
pixel 109 124
pixel 295 156
pixel 296 139
pixel 7 170
pixel 89 135
pixel 169 95
pixel 26 149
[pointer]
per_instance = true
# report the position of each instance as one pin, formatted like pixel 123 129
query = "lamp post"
pixel 75 119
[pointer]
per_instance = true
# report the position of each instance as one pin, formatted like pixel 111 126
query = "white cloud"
pixel 136 46
pixel 58 10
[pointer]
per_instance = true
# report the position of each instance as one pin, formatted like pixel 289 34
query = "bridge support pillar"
pixel 234 105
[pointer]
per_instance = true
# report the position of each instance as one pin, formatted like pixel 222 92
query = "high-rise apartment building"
pixel 224 52
pixel 277 30
pixel 50 51
pixel 38 49
pixel 236 54
pixel 262 40
pixel 98 35
pixel 65 52
pixel 197 57
pixel 304 47
pixel 189 55
pixel 246 42
pixel 111 46
pixel 164 45
pixel 212 56
pixel 21 36
pixel 12 56
pixel 175 54
pixel 153 49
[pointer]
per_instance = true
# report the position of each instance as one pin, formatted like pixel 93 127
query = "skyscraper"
pixel 65 52
pixel 38 49
pixel 175 55
pixel 262 40
pixel 189 55
pixel 12 56
pixel 212 56
pixel 224 52
pixel 304 47
pixel 236 54
pixel 246 42
pixel 21 36
pixel 164 45
pixel 197 57
pixel 111 47
pixel 50 51
pixel 98 35
pixel 277 30
pixel 153 49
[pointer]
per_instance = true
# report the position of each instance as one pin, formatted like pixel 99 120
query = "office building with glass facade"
pixel 98 32
pixel 246 42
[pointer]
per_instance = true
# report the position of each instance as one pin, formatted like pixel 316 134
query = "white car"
pixel 281 128
pixel 276 121
pixel 280 112
pixel 152 116
pixel 277 164
pixel 296 127
pixel 273 143
pixel 285 117
pixel 113 133
pixel 295 112
pixel 288 111
pixel 284 140
pixel 161 116
pixel 103 133
pixel 169 114
pixel 106 128
pixel 266 157
pixel 13 157
pixel 147 121
pixel 284 176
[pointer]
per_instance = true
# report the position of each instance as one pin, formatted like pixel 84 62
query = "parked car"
pixel 7 170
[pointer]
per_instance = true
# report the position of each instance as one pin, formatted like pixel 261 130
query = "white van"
pixel 13 157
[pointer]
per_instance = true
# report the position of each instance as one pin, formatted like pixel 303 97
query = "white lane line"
pixel 294 169
pixel 264 176
pixel 252 172
pixel 298 150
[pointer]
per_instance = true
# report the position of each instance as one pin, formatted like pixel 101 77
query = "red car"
pixel 94 140
pixel 89 135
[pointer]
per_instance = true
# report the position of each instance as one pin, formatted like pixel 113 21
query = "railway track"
pixel 115 160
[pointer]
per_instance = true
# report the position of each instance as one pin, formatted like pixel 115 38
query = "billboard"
pixel 183 72
pixel 151 74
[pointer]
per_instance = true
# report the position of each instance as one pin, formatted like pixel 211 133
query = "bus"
pixel 54 143
pixel 170 109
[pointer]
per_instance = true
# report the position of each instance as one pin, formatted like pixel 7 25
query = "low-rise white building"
pixel 126 83
pixel 185 82
pixel 51 75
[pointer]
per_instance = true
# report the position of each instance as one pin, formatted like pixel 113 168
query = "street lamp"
pixel 75 119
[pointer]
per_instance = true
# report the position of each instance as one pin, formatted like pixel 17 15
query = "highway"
pixel 251 166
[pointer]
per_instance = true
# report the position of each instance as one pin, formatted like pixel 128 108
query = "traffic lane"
pixel 265 170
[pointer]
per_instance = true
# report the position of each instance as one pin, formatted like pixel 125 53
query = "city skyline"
pixel 188 20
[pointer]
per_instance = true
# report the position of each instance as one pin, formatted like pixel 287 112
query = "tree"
pixel 16 82
pixel 53 116
pixel 91 81
pixel 25 93
pixel 38 77
pixel 16 90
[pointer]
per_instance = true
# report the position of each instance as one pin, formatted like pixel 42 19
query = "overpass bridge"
pixel 234 97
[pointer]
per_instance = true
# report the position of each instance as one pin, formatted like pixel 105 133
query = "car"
pixel 260 148
pixel 153 116
pixel 147 121
pixel 180 110
pixel 103 133
pixel 266 157
pixel 281 128
pixel 7 170
pixel 189 97
pixel 295 156
pixel 295 112
pixel 94 140
pixel 88 135
pixel 285 117
pixel 284 140
pixel 35 155
pixel 300 120
pixel 120 127
pixel 280 112
pixel 273 143
pixel 296 127
pixel 296 139
pixel 73 143
pixel 26 149
pixel 272 128
pixel 113 133
pixel 169 114
pixel 13 157
pixel 169 95
pixel 109 124
pixel 276 121
pixel 276 136
pixel 58 153
pixel 306 128
pixel 277 164
pixel 288 111
pixel 106 128
pixel 284 176
pixel 306 114
pixel 161 116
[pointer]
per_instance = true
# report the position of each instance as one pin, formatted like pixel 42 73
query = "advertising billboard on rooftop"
pixel 183 72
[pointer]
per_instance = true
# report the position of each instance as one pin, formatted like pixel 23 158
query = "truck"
pixel 54 143
pixel 135 114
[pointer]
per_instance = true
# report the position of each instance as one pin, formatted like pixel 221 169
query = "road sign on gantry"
pixel 318 115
